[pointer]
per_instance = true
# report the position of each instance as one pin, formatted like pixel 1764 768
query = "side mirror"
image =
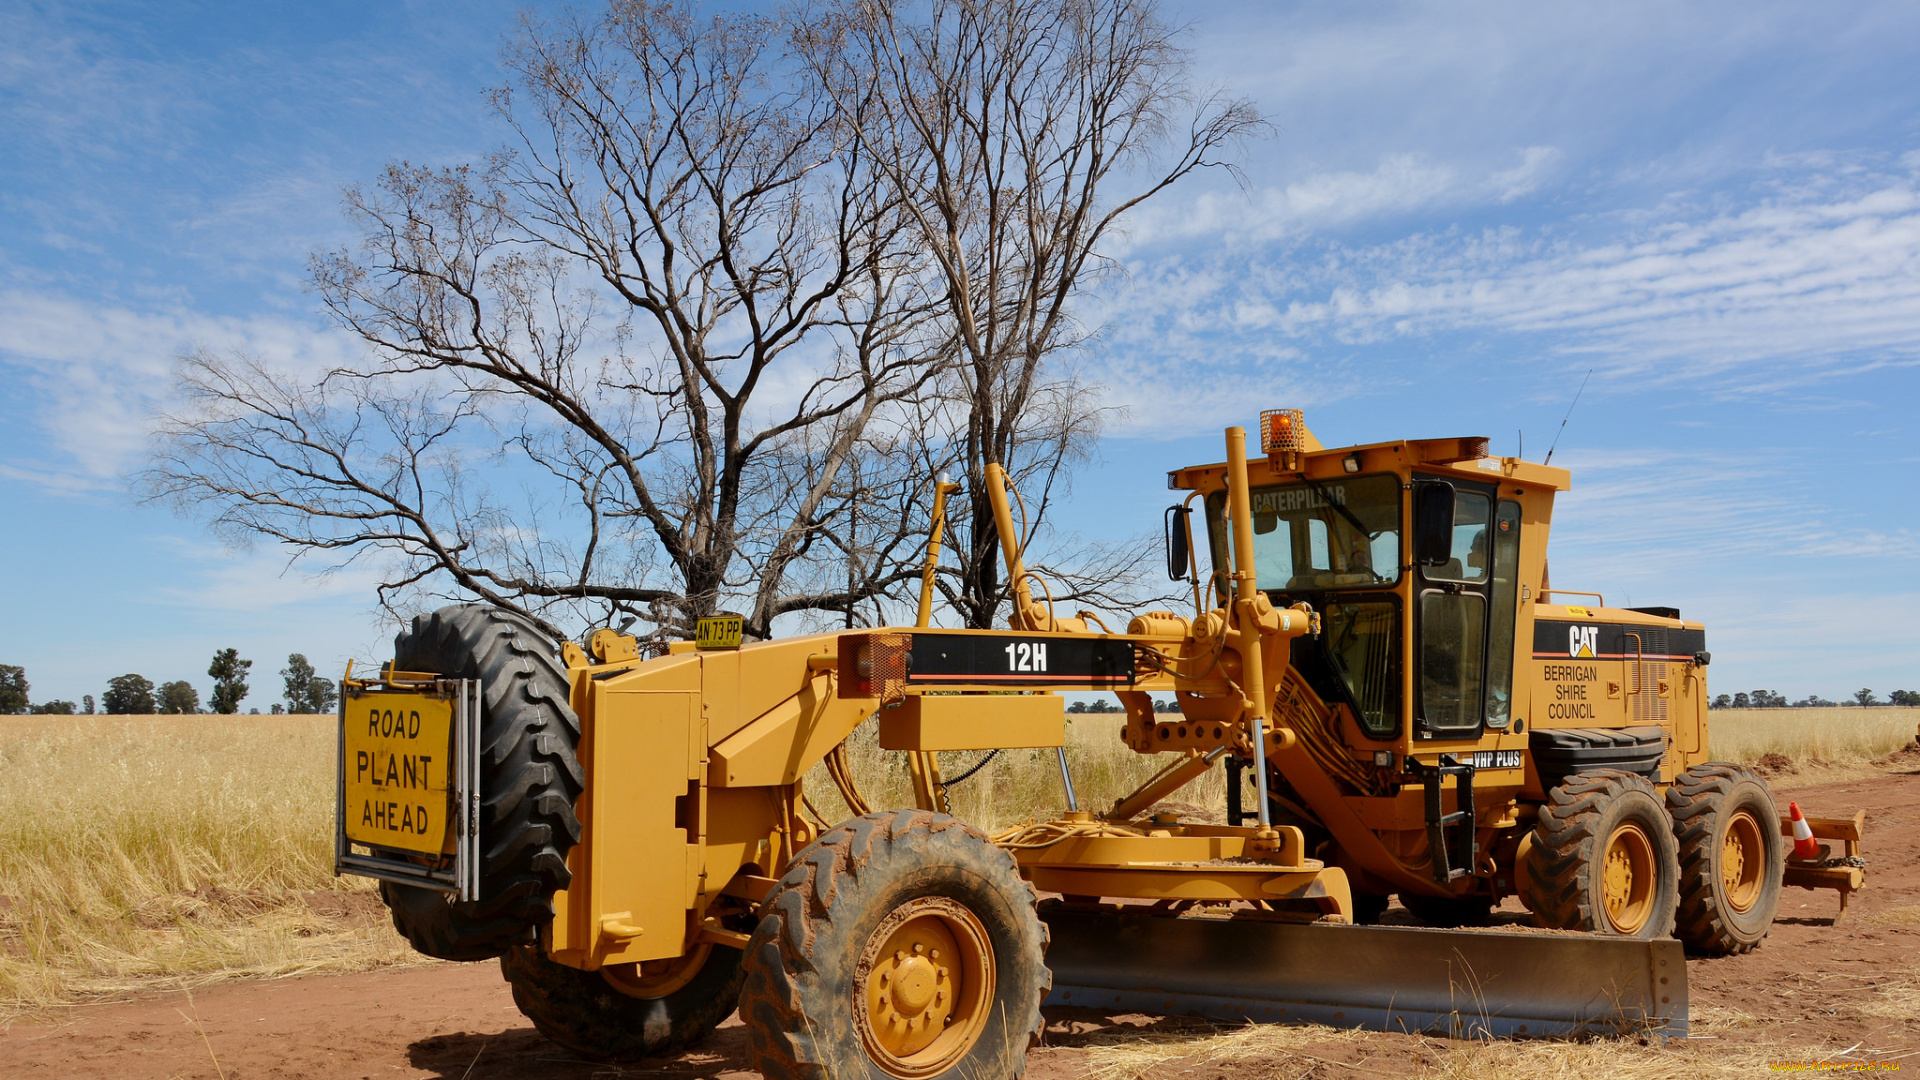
pixel 1432 523
pixel 1177 553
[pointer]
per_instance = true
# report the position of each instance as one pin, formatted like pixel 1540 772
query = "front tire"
pixel 901 944
pixel 1604 859
pixel 1732 858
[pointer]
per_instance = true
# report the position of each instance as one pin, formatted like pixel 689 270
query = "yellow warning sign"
pixel 398 759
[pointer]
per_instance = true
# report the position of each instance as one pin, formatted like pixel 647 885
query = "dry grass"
pixel 154 851
pixel 1825 744
pixel 1124 1055
pixel 1723 1046
pixel 1018 785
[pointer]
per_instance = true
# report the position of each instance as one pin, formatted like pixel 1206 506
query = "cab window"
pixel 1505 601
pixel 1470 556
pixel 1330 534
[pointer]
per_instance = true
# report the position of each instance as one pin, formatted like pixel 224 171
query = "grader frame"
pixel 691 806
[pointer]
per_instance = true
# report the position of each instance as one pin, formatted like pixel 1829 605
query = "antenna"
pixel 1569 416
pixel 1521 435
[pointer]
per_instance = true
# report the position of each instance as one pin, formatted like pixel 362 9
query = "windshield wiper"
pixel 1327 497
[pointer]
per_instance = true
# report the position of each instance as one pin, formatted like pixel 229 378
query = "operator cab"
pixel 1331 528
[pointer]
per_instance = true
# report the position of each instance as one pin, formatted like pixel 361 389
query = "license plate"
pixel 718 632
pixel 398 762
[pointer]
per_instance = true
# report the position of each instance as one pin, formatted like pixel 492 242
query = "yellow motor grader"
pixel 1374 644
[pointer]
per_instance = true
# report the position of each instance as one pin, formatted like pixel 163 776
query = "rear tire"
pixel 529 779
pixel 1604 859
pixel 1732 858
pixel 589 1012
pixel 899 944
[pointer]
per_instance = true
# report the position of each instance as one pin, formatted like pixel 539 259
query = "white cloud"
pixel 1818 281
pixel 1683 92
pixel 99 372
pixel 254 580
pixel 1641 516
pixel 1399 186
pixel 1811 275
pixel 1536 164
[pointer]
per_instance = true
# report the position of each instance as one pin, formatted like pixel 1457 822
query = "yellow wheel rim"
pixel 656 978
pixel 924 988
pixel 1627 879
pixel 1742 857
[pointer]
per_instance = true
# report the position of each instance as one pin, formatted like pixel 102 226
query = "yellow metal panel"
pixel 975 722
pixel 639 859
pixel 781 744
pixel 760 753
pixel 575 925
pixel 1251 882
pixel 743 686
pixel 399 756
pixel 742 826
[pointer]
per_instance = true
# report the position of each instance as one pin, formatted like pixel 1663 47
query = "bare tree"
pixel 1004 129
pixel 620 368
pixel 702 336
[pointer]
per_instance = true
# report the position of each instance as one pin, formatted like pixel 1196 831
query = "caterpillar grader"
pixel 1374 650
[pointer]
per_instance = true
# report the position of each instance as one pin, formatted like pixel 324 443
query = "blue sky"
pixel 1464 209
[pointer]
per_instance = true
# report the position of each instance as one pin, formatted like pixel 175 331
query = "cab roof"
pixel 1463 456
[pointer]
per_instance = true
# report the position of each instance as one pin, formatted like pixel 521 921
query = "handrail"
pixel 942 487
pixel 1544 593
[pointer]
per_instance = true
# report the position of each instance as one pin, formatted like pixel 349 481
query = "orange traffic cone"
pixel 1804 845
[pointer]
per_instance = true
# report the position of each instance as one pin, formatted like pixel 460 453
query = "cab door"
pixel 1451 603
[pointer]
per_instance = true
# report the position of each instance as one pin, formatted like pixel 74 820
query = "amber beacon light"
pixel 1283 435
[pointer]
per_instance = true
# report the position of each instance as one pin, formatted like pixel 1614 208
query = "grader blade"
pixel 1464 984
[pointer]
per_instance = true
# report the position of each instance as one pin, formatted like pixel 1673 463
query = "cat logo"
pixel 1582 641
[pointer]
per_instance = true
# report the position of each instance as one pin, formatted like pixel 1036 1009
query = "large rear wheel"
pixel 1603 858
pixel 900 944
pixel 1732 857
pixel 529 779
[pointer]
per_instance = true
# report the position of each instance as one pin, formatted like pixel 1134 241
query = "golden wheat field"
pixel 144 851
pixel 138 852
pixel 1827 744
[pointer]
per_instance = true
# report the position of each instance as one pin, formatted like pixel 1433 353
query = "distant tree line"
pixel 1160 705
pixel 305 691
pixel 1767 699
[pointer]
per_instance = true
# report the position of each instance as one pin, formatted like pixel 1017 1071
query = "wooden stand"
pixel 1845 879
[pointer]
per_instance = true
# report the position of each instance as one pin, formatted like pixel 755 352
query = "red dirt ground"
pixel 458 1021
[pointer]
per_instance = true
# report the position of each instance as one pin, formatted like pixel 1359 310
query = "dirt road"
pixel 1812 990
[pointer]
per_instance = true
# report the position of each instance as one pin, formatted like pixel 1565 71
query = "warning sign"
pixel 397 759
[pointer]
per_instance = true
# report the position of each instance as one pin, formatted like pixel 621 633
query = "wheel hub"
pixel 1627 879
pixel 1741 859
pixel 923 986
pixel 916 983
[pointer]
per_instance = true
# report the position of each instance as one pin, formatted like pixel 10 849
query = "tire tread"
pixel 782 1043
pixel 530 781
pixel 1565 855
pixel 1694 802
